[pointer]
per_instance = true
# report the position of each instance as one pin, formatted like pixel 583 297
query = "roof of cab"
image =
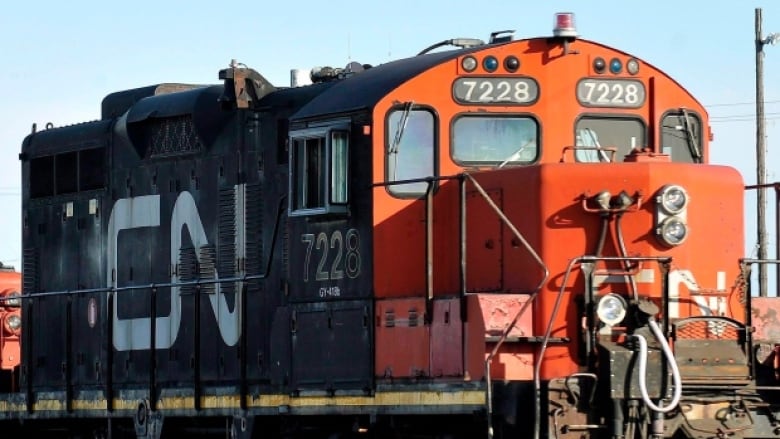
pixel 363 90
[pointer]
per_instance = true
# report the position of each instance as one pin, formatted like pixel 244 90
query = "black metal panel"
pixel 52 233
pixel 207 271
pixel 280 354
pixel 255 264
pixel 331 256
pixel 228 266
pixel 621 372
pixel 329 260
pixel 115 104
pixel 177 363
pixel 89 310
pixel 332 345
pixel 240 148
pixel 65 139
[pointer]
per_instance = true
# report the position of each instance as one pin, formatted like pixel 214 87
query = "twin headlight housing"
pixel 671 227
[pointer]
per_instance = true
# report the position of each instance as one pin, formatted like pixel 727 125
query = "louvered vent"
pixel 30 271
pixel 254 229
pixel 207 267
pixel 227 238
pixel 188 268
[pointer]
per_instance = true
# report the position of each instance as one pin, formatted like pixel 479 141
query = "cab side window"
pixel 319 171
pixel 681 137
pixel 410 151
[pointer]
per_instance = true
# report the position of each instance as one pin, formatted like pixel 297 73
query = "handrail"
pixel 508 329
pixel 428 197
pixel 776 186
pixel 512 227
pixel 745 269
pixel 149 286
pixel 610 149
pixel 152 287
pixel 556 307
pixel 504 219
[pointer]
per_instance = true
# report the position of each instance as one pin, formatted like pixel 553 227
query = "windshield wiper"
pixel 399 132
pixel 516 155
pixel 693 142
pixel 602 155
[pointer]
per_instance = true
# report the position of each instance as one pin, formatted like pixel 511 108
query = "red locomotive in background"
pixel 11 319
pixel 511 239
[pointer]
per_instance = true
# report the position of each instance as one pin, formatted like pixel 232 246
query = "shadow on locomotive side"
pixel 511 239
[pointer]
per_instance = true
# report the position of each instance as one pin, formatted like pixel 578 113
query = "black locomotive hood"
pixel 363 90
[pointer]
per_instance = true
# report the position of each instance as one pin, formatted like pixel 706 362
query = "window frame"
pixel 411 195
pixel 679 113
pixel 326 206
pixel 605 117
pixel 46 172
pixel 502 115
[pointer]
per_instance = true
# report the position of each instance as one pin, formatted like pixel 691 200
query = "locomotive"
pixel 11 322
pixel 512 238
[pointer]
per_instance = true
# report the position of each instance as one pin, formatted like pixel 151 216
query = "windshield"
pixel 594 134
pixel 494 140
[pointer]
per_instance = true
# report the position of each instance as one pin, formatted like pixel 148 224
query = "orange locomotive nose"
pixel 11 320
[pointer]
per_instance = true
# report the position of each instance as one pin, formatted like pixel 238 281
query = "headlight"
pixel 468 63
pixel 673 199
pixel 12 323
pixel 611 309
pixel 13 300
pixel 672 231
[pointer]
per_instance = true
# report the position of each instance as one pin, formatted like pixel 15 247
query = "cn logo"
pixel 708 306
pixel 144 211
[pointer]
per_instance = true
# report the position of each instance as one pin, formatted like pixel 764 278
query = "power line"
pixel 732 116
pixel 746 119
pixel 734 104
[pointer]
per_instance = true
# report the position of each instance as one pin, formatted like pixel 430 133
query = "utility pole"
pixel 772 38
pixel 760 156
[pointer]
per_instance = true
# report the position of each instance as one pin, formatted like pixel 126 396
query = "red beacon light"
pixel 564 25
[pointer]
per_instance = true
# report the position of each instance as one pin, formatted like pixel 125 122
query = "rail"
pixel 663 260
pixel 745 266
pixel 430 191
pixel 531 299
pixel 463 179
pixel 762 265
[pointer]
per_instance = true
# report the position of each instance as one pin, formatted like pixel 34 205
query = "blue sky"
pixel 59 59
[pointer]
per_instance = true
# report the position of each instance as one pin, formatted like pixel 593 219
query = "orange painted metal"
pixel 544 202
pixel 402 339
pixel 446 339
pixel 10 283
pixel 489 315
pixel 766 319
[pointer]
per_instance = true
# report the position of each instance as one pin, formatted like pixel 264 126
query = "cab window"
pixel 595 136
pixel 681 137
pixel 319 178
pixel 410 151
pixel 494 140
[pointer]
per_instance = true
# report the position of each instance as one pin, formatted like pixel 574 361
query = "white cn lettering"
pixel 708 305
pixel 144 211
